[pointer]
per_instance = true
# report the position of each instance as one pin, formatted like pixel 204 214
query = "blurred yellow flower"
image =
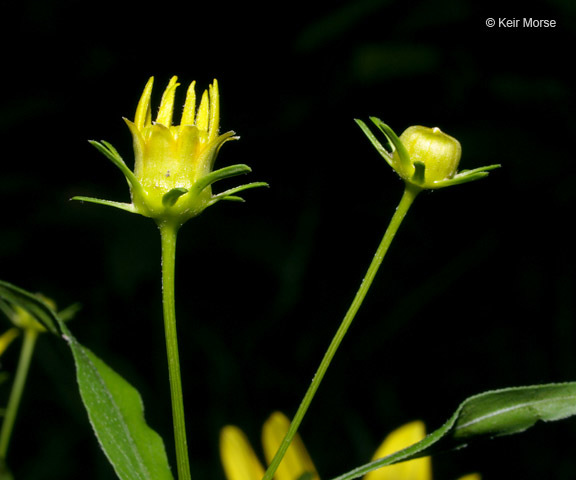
pixel 406 435
pixel 240 462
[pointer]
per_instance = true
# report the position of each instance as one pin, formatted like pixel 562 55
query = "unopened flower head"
pixel 173 164
pixel 432 150
pixel 425 158
pixel 170 156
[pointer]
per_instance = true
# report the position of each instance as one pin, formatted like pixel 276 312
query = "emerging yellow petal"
pixel 297 461
pixel 203 112
pixel 238 458
pixel 143 117
pixel 214 111
pixel 166 109
pixel 406 435
pixel 189 111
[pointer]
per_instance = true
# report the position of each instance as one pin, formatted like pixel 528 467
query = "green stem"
pixel 408 197
pixel 30 336
pixel 168 232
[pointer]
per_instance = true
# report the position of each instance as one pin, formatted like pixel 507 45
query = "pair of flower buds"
pixel 173 172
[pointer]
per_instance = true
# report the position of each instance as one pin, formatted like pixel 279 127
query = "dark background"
pixel 478 290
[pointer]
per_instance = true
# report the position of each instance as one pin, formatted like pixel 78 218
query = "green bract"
pixel 172 176
pixel 424 157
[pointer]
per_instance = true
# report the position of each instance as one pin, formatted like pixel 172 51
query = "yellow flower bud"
pixel 434 156
pixel 174 157
pixel 173 165
pixel 425 158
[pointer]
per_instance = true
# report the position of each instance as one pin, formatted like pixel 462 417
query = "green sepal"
pixel 493 413
pixel 394 142
pixel 112 154
pixel 230 194
pixel 232 198
pixel 221 174
pixel 381 150
pixel 170 198
pixel 466 176
pixel 419 176
pixel 129 207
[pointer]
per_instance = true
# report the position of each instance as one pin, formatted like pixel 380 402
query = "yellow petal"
pixel 160 159
pixel 6 339
pixel 187 146
pixel 189 106
pixel 214 111
pixel 238 457
pixel 471 476
pixel 202 120
pixel 419 469
pixel 167 104
pixel 297 461
pixel 142 117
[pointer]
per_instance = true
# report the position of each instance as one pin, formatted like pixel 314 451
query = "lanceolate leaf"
pixel 116 413
pixel 498 412
pixel 114 407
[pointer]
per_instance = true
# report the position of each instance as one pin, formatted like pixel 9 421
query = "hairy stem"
pixel 168 232
pixel 408 197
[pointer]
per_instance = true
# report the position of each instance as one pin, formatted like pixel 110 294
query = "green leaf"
pixel 116 413
pixel 114 407
pixel 494 413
